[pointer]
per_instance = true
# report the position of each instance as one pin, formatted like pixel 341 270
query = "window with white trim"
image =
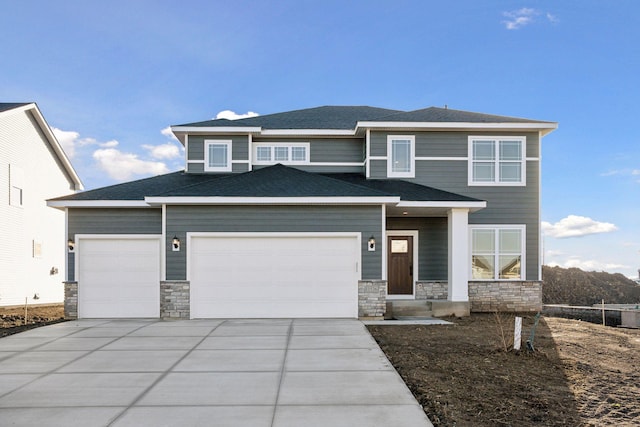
pixel 217 156
pixel 401 156
pixel 497 160
pixel 269 153
pixel 497 252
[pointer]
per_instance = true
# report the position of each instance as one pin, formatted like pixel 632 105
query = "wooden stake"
pixel 25 310
pixel 603 317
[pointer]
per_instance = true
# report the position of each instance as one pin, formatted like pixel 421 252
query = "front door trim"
pixel 414 235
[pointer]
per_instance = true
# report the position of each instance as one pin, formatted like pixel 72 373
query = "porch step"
pixel 409 308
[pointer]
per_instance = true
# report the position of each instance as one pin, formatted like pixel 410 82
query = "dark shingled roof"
pixel 327 117
pixel 271 181
pixel 346 117
pixel 406 190
pixel 5 106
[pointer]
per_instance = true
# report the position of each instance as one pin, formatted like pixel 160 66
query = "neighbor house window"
pixel 497 252
pixel 497 160
pixel 268 153
pixel 217 156
pixel 401 156
pixel 16 185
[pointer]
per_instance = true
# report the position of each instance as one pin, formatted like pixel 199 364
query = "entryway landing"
pixel 426 308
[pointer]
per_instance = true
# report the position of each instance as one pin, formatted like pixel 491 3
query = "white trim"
pixel 97 204
pixel 240 161
pixel 195 162
pixel 288 145
pixel 186 153
pixel 412 156
pixel 431 159
pixel 523 253
pixel 496 182
pixel 249 151
pixel 367 156
pixel 357 235
pixel 229 144
pixel 468 205
pixel 532 159
pixel 378 158
pixel 544 127
pixel 416 258
pixel 66 244
pixel 337 164
pixel 215 200
pixel 540 234
pixel 78 247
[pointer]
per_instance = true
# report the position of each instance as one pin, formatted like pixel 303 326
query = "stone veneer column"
pixel 175 299
pixel 516 296
pixel 70 300
pixel 372 298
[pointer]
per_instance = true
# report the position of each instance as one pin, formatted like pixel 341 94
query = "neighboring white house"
pixel 33 168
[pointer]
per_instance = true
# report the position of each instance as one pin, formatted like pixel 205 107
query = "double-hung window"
pixel 497 252
pixel 268 153
pixel 497 160
pixel 401 156
pixel 217 156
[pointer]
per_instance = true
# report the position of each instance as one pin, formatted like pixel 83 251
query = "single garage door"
pixel 248 276
pixel 118 277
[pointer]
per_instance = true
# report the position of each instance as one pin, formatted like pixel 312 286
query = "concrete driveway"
pixel 288 372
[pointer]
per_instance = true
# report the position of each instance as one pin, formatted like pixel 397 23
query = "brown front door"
pixel 400 265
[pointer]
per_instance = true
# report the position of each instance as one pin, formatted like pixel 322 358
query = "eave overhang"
pixel 543 127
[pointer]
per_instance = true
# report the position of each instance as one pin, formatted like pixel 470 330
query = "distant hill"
pixel 576 287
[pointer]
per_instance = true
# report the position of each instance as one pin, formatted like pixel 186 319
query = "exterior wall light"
pixel 71 245
pixel 372 244
pixel 175 244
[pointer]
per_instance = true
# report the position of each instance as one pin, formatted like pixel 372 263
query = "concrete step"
pixel 409 308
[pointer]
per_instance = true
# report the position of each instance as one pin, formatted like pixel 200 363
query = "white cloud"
pixel 517 19
pixel 230 115
pixel 109 144
pixel 167 132
pixel 163 151
pixel 587 265
pixel 70 139
pixel 122 166
pixel 576 226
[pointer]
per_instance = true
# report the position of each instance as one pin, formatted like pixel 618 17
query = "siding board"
pixel 183 219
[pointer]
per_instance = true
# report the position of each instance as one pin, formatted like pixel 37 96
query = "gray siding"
pixel 323 169
pixel 195 150
pixel 328 149
pixel 432 244
pixel 111 221
pixel 182 219
pixel 505 204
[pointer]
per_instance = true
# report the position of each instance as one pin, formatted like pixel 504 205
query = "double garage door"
pixel 231 276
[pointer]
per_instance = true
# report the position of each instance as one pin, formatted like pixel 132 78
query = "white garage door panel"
pixel 275 276
pixel 118 278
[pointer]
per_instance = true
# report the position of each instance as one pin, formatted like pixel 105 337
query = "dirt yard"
pixel 12 319
pixel 581 374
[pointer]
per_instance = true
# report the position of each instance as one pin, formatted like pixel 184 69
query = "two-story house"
pixel 33 168
pixel 323 212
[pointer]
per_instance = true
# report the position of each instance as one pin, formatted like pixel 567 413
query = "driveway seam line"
pixel 282 371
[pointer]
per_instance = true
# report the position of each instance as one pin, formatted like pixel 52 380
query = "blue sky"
pixel 111 76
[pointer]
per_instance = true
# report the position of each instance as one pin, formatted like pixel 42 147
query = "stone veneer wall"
pixel 432 290
pixel 372 298
pixel 175 299
pixel 70 300
pixel 505 296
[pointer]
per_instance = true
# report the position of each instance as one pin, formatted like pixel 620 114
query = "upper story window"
pixel 16 181
pixel 217 156
pixel 497 252
pixel 497 160
pixel 401 156
pixel 268 153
